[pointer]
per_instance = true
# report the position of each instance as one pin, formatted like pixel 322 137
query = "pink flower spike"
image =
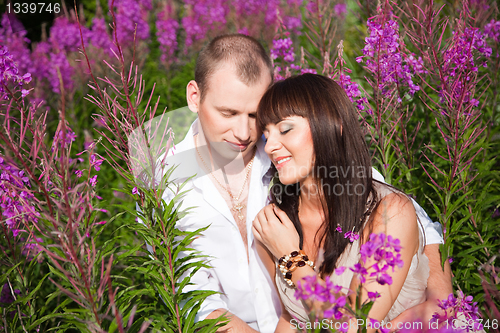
pixel 134 190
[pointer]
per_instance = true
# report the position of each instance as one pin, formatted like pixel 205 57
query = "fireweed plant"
pixel 462 172
pixel 330 308
pixel 50 214
pixel 326 300
pixel 164 260
pixel 430 102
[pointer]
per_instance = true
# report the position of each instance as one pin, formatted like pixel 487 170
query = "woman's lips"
pixel 281 162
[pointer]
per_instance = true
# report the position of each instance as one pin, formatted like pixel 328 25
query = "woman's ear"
pixel 193 96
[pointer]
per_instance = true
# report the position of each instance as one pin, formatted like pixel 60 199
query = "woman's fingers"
pixel 283 217
pixel 256 234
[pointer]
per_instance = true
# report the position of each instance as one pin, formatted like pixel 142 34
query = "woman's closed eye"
pixel 285 130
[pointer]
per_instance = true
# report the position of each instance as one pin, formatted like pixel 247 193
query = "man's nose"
pixel 241 129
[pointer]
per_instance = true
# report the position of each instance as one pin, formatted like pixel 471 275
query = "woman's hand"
pixel 274 229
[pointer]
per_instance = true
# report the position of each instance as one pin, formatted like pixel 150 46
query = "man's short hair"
pixel 244 52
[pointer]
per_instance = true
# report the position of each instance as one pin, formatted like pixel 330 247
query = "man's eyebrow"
pixel 225 108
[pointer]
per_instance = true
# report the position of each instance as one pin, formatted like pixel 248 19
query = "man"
pixel 223 148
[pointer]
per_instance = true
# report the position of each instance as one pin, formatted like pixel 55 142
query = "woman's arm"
pixel 394 216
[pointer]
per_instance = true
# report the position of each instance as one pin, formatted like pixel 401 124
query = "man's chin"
pixel 228 152
pixel 224 151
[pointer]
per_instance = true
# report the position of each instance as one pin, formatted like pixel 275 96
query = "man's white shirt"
pixel 245 287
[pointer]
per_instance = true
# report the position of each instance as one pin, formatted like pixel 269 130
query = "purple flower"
pixel 283 48
pixel 352 90
pixel 16 200
pixel 78 173
pixel 65 139
pixel 65 35
pixel 373 295
pixel 459 306
pixel 312 289
pixel 99 36
pixel 13 36
pixel 60 65
pixel 380 274
pixel 340 270
pixel 131 15
pixel 459 64
pixel 134 190
pixel 309 288
pixel 360 271
pixel 312 7
pixel 166 33
pixel 308 70
pixel 293 23
pixel 93 181
pixel 334 311
pixel 351 235
pixel 492 30
pixel 340 9
pixel 393 243
pixel 384 59
pixel 9 74
pixel 6 295
pixel 94 162
pixel 31 248
pixel 339 228
pixel 201 17
pixel 41 67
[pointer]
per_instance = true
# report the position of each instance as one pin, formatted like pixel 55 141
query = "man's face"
pixel 227 113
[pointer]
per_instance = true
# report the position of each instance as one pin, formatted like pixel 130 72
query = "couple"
pixel 299 117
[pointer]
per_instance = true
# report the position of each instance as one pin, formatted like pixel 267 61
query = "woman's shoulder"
pixel 393 203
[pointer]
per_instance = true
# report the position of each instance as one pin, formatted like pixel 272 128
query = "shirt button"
pixel 256 290
pixel 240 261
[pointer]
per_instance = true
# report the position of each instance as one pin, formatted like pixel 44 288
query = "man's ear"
pixel 193 96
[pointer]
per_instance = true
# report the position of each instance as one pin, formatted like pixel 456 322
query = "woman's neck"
pixel 311 196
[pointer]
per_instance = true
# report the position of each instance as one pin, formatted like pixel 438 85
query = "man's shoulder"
pixel 182 157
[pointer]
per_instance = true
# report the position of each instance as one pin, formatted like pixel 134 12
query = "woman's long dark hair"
pixel 342 168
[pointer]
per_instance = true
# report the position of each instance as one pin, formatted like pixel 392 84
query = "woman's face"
pixel 289 145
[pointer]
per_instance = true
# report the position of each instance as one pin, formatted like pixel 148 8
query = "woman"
pixel 325 185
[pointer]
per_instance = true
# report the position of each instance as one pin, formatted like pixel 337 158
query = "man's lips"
pixel 238 146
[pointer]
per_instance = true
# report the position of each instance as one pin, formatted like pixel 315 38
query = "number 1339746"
pixel 33 8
